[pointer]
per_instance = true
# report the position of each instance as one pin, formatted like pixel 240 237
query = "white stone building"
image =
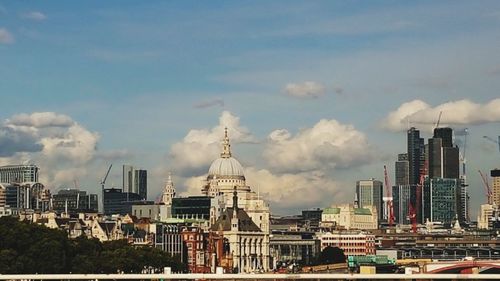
pixel 349 217
pixel 248 244
pixel 226 175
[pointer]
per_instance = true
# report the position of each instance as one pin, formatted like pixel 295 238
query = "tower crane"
pixel 390 217
pixel 439 119
pixel 494 141
pixel 103 181
pixel 487 187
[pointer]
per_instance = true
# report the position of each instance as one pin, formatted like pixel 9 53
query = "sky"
pixel 315 94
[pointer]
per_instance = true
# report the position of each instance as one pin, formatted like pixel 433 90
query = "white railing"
pixel 200 276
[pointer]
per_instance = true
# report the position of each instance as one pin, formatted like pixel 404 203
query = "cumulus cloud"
pixel 307 89
pixel 210 103
pixel 5 36
pixel 40 120
pixel 201 146
pixel 285 192
pixel 461 112
pixel 34 15
pixel 56 143
pixel 327 145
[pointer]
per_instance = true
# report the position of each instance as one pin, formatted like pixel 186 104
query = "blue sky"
pixel 141 75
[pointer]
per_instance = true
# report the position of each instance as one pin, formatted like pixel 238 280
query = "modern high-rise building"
pixel 128 178
pixel 135 181
pixel 74 201
pixel 141 183
pixel 404 196
pixel 19 173
pixel 440 200
pixel 446 136
pixel 416 155
pixel 444 160
pixel 118 202
pixel 370 193
pixel 402 170
pixel 495 186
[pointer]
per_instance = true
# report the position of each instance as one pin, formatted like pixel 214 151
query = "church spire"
pixel 168 191
pixel 226 147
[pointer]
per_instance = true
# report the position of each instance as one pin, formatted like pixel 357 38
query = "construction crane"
pixel 390 216
pixel 439 119
pixel 487 187
pixel 103 181
pixel 494 141
pixel 413 210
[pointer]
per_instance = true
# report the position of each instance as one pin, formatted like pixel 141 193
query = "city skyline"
pixel 315 95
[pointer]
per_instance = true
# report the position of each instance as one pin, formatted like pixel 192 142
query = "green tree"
pixel 331 255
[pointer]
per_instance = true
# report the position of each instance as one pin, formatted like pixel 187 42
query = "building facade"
pixel 73 201
pixel 118 202
pixel 348 216
pixel 416 155
pixel 248 243
pixel 402 170
pixel 135 181
pixel 495 186
pixel 440 200
pixel 353 243
pixel 19 173
pixel 370 193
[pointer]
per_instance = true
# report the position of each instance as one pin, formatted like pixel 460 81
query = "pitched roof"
pixel 245 223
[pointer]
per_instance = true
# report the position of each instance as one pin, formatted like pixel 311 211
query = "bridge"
pixel 475 266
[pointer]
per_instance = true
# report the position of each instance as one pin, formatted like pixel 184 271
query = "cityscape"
pixel 267 140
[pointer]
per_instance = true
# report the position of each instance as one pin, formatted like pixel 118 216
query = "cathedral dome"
pixel 226 167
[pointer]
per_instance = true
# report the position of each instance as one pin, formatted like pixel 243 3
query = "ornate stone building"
pixel 247 244
pixel 245 225
pixel 226 175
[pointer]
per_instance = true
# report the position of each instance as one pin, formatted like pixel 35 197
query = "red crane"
pixel 413 211
pixel 390 218
pixel 487 187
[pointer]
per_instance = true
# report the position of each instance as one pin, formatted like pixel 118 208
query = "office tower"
pixel 444 161
pixel 415 154
pixel 495 186
pixel 402 170
pixel 128 179
pixel 446 136
pixel 74 201
pixel 118 202
pixel 404 196
pixel 19 173
pixel 370 193
pixel 440 199
pixel 135 181
pixel 141 183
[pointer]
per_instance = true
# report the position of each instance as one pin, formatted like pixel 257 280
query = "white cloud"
pixel 461 112
pixel 34 15
pixel 40 120
pixel 285 192
pixel 5 36
pixel 327 145
pixel 296 191
pixel 56 143
pixel 307 89
pixel 200 147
